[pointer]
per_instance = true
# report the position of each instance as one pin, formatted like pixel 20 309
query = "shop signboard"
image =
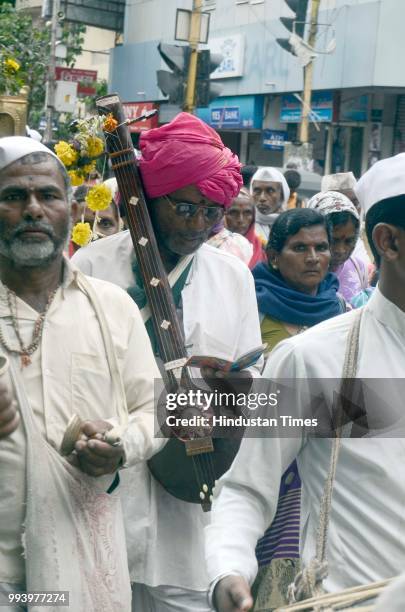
pixel 321 106
pixel 234 113
pixel 133 110
pixel 232 48
pixel 354 108
pixel 86 79
pixel 274 139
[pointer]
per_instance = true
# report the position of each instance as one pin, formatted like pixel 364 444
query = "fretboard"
pixel 121 152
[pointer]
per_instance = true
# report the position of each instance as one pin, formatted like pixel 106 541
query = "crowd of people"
pixel 249 264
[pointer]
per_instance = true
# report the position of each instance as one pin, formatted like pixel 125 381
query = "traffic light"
pixel 299 8
pixel 173 84
pixel 206 90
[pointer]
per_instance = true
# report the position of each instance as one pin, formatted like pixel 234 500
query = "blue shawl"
pixel 279 301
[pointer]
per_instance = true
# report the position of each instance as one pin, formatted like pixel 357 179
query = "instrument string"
pixel 168 339
pixel 165 310
pixel 157 306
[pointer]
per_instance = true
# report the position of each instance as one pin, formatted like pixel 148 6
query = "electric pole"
pixel 50 83
pixel 194 38
pixel 308 73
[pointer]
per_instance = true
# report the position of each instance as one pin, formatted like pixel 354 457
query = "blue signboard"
pixel 234 112
pixel 321 106
pixel 274 139
pixel 228 117
pixel 354 108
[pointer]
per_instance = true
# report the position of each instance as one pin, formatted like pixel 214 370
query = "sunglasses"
pixel 187 210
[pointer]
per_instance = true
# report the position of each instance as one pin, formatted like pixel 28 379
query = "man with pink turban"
pixel 190 177
pixel 189 152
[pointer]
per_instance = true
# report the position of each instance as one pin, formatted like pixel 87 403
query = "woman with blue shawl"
pixel 294 291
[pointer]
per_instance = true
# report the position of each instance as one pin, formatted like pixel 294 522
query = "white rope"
pixel 308 582
pixel 112 359
pixel 345 600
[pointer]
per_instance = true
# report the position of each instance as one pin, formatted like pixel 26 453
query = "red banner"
pixel 85 79
pixel 133 110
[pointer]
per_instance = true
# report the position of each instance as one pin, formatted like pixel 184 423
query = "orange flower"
pixel 110 124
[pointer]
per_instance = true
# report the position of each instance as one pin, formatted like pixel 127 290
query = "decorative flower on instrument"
pixel 95 147
pixel 99 197
pixel 110 124
pixel 66 153
pixel 82 234
pixel 79 156
pixel 76 178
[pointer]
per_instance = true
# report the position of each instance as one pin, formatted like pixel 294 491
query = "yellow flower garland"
pixel 78 156
pixel 75 178
pixel 66 153
pixel 88 168
pixel 81 234
pixel 99 197
pixel 95 146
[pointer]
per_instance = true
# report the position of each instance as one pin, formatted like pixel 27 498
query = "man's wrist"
pixel 214 584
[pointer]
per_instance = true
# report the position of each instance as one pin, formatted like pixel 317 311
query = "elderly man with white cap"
pixel 343 182
pixel 76 346
pixel 269 192
pixel 365 541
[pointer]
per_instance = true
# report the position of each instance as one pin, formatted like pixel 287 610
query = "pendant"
pixel 25 360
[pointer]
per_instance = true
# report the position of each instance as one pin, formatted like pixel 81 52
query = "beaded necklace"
pixel 24 351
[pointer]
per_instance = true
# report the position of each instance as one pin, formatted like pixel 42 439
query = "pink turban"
pixel 187 151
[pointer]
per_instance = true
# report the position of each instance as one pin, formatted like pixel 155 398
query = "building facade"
pixel 359 88
pixel 97 44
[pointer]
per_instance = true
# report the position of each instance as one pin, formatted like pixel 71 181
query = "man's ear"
pixel 385 238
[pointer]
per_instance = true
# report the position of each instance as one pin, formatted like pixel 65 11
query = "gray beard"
pixel 33 254
pixel 29 254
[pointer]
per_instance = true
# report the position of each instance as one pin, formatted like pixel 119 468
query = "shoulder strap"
pixel 308 582
pixel 112 359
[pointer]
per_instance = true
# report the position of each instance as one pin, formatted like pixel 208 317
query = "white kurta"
pixel 220 318
pixel 393 598
pixel 69 374
pixel 366 539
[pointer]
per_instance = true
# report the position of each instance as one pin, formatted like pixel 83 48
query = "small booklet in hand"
pixel 216 363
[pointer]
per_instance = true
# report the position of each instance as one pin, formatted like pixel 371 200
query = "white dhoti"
pixel 168 599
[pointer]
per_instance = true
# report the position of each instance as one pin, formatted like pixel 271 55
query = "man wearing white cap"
pixel 75 346
pixel 343 182
pixel 269 192
pixel 366 540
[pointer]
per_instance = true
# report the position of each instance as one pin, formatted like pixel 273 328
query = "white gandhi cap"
pixel 385 179
pixel 338 182
pixel 13 148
